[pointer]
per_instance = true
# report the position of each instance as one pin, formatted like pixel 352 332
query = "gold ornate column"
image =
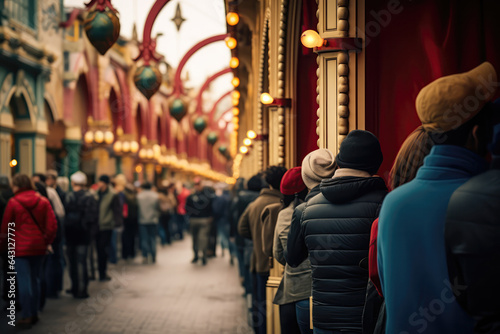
pixel 340 71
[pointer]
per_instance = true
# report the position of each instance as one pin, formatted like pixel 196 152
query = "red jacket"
pixel 181 201
pixel 372 258
pixel 30 239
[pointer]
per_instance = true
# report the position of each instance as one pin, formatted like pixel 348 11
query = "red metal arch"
pixel 178 88
pixel 199 104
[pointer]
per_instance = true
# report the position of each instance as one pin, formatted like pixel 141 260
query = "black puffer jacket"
pixel 472 235
pixel 336 227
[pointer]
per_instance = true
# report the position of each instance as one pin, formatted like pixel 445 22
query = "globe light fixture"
pixel 143 153
pixel 244 150
pixel 109 137
pixel 231 42
pixel 235 82
pixel 89 137
pixel 311 39
pixel 247 142
pixel 150 153
pixel 118 147
pixel 234 62
pixel 125 147
pixel 232 18
pixel 13 163
pixel 99 137
pixel 134 146
pixel 251 134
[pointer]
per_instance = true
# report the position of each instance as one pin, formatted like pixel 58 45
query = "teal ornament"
pixel 102 29
pixel 223 150
pixel 212 138
pixel 178 109
pixel 199 124
pixel 147 79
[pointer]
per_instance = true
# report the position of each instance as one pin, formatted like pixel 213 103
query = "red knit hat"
pixel 292 182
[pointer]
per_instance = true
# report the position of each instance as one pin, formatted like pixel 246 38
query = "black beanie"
pixel 105 178
pixel 360 150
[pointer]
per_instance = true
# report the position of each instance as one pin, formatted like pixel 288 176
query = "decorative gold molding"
pixel 281 80
pixel 260 109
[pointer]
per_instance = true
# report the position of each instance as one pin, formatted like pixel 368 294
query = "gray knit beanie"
pixel 316 166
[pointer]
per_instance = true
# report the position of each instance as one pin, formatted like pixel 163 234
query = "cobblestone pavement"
pixel 171 296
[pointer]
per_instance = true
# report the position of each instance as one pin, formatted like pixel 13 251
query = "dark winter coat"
pixel 238 206
pixel 250 226
pixel 336 231
pixel 472 232
pixel 35 224
pixel 199 204
pixel 82 216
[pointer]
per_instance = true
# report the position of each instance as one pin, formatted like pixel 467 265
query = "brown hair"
pixel 23 181
pixel 410 157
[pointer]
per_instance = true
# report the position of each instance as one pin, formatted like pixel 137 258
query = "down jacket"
pixel 336 231
pixel 472 232
pixel 31 237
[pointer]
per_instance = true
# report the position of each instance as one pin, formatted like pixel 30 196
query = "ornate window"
pixel 22 11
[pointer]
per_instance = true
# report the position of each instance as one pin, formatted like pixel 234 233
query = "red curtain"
pixel 427 39
pixel 306 87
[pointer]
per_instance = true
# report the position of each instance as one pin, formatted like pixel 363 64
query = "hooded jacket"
pixel 336 227
pixel 82 215
pixel 31 236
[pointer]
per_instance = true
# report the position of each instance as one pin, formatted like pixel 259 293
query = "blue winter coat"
pixel 411 246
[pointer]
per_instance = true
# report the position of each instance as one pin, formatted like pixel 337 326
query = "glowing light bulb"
pixel 235 82
pixel 134 146
pixel 89 137
pixel 236 94
pixel 236 111
pixel 118 146
pixel 125 146
pixel 231 42
pixel 266 98
pixel 244 149
pixel 236 102
pixel 247 142
pixel 311 39
pixel 99 136
pixel 234 62
pixel 232 18
pixel 13 163
pixel 251 134
pixel 109 137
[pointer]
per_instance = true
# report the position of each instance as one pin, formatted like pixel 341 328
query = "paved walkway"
pixel 172 296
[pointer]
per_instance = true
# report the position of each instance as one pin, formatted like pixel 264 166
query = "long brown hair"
pixel 23 182
pixel 410 157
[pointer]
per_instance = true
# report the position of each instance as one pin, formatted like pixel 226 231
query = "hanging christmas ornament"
pixel 178 109
pixel 212 138
pixel 200 124
pixel 148 80
pixel 223 150
pixel 102 29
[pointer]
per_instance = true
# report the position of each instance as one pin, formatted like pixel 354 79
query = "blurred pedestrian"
pixel 168 203
pixel 181 218
pixel 51 181
pixel 221 206
pixel 30 218
pixel 130 223
pixel 80 224
pixel 199 211
pixel 110 216
pixel 149 216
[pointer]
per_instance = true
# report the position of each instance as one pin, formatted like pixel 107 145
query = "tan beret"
pixel 448 102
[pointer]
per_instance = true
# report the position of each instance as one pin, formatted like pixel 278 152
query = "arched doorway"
pixel 55 136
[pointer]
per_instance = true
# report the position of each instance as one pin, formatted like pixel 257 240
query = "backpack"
pixel 74 221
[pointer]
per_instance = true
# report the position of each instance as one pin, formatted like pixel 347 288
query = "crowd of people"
pixel 415 254
pixel 50 223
